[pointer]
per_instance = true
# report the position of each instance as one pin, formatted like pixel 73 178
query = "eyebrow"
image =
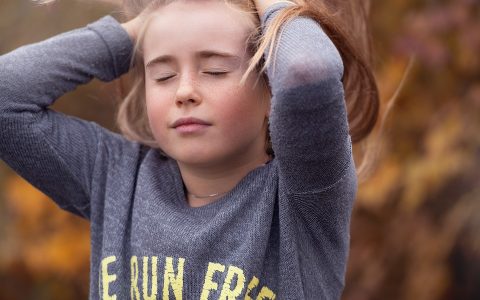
pixel 201 54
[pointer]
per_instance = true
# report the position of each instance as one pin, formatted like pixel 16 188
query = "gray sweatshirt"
pixel 281 233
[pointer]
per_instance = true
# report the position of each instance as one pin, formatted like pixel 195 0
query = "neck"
pixel 215 180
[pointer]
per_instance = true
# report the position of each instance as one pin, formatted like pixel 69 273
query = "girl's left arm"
pixel 308 120
pixel 312 145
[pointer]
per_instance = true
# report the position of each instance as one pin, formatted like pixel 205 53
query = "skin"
pixel 216 157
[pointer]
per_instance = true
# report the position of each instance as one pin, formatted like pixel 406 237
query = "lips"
pixel 189 121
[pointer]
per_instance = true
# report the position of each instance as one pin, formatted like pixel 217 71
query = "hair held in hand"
pixel 346 24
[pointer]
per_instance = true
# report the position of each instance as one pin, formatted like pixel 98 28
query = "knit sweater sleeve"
pixel 308 121
pixel 54 152
pixel 312 145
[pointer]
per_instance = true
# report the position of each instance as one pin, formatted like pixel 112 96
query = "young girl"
pixel 234 177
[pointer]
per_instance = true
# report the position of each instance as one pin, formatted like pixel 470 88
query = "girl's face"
pixel 195 54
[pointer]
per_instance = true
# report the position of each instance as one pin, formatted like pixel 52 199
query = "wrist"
pixel 129 30
pixel 263 5
pixel 131 27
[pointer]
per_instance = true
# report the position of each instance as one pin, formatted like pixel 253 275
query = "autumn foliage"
pixel 416 222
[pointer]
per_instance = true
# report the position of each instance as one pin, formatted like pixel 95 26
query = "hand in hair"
pixel 262 5
pixel 132 27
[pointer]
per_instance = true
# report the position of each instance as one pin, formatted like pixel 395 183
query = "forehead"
pixel 183 26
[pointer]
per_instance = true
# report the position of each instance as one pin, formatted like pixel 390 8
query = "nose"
pixel 187 91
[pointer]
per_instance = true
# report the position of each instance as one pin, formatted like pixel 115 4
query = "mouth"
pixel 190 125
pixel 189 121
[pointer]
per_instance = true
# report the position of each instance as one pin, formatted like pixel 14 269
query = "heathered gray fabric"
pixel 282 232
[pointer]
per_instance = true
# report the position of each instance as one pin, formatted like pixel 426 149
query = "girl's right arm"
pixel 56 153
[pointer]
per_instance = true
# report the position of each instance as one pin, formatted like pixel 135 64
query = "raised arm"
pixel 308 121
pixel 312 145
pixel 54 152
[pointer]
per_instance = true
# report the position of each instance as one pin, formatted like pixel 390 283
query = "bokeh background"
pixel 416 222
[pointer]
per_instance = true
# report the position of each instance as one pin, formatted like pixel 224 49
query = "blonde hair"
pixel 346 24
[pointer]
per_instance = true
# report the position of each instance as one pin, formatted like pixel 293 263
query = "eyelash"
pixel 210 73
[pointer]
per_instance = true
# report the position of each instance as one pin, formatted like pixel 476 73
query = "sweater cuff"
pixel 271 10
pixel 117 41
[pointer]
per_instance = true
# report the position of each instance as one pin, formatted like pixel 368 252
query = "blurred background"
pixel 416 222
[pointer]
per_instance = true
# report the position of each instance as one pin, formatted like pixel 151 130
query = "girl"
pixel 234 177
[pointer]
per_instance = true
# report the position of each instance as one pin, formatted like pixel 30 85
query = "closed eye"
pixel 163 79
pixel 216 73
pixel 210 73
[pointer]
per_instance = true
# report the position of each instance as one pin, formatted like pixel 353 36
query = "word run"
pixel 174 281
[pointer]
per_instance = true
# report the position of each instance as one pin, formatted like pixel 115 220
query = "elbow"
pixel 327 64
pixel 305 71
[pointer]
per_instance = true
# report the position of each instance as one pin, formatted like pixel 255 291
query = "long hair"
pixel 346 24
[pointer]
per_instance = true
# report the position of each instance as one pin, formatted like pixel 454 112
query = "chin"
pixel 191 157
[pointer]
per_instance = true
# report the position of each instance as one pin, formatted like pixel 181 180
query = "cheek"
pixel 156 105
pixel 242 109
pixel 253 99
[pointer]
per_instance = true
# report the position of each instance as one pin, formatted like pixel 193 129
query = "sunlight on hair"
pixel 372 146
pixel 46 2
pixel 43 2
